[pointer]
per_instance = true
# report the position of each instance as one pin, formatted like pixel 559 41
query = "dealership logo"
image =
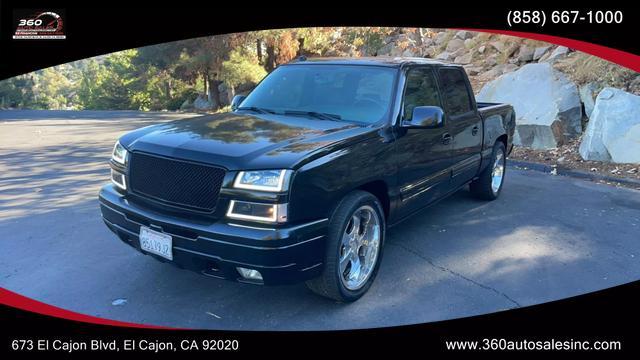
pixel 39 25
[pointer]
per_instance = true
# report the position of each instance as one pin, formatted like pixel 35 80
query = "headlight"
pixel 264 180
pixel 119 154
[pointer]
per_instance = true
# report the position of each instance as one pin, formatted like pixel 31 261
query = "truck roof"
pixel 372 60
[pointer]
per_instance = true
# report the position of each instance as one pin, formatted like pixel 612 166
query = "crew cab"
pixel 300 181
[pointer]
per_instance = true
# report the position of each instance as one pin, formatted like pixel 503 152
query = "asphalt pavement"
pixel 546 238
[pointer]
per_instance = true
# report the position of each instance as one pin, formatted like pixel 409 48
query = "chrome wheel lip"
pixel 359 248
pixel 497 172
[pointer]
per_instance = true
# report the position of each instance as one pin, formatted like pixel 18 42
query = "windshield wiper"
pixel 315 114
pixel 257 109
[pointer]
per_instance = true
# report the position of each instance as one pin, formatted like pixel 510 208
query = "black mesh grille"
pixel 176 182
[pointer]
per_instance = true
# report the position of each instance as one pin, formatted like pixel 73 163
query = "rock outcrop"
pixel 587 96
pixel 525 54
pixel 535 78
pixel 540 51
pixel 454 44
pixel 559 52
pixel 202 103
pixel 613 132
pixel 547 104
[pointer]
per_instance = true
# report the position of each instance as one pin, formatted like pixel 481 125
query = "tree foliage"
pixel 167 75
pixel 112 84
pixel 241 68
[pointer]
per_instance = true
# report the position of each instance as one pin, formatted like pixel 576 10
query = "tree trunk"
pixel 270 62
pixel 205 82
pixel 214 93
pixel 167 89
pixel 231 92
pixel 259 50
pixel 420 36
pixel 300 47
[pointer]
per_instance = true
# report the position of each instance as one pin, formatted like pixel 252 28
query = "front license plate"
pixel 156 242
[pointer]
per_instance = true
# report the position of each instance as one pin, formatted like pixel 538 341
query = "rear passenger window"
pixel 420 90
pixel 454 92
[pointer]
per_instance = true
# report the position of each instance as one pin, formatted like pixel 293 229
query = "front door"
pixel 424 155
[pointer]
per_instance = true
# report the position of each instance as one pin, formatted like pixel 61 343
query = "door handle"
pixel 446 138
pixel 474 130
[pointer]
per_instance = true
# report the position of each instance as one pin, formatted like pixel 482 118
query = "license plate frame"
pixel 156 242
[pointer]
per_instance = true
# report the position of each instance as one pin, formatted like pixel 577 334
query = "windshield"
pixel 335 92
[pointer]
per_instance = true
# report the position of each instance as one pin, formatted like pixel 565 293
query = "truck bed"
pixel 487 107
pixel 500 116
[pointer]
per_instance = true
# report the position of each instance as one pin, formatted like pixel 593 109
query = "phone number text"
pixel 541 17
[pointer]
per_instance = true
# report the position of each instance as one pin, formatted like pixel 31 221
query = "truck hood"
pixel 243 141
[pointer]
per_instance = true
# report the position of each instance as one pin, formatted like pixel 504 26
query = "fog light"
pixel 256 211
pixel 118 179
pixel 250 274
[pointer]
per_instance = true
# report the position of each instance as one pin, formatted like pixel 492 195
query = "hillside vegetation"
pixel 205 73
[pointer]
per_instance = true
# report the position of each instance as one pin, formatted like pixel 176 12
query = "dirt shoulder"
pixel 568 157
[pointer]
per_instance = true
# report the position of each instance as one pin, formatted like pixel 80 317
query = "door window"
pixel 421 89
pixel 454 91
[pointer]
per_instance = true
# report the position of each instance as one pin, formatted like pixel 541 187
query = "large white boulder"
pixel 547 104
pixel 613 133
pixel 202 103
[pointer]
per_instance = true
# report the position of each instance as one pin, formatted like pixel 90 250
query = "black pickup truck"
pixel 301 180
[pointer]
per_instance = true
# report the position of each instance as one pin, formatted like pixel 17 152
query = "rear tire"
pixel 490 181
pixel 353 251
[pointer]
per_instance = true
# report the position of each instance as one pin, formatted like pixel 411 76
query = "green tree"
pixel 241 68
pixel 202 59
pixel 157 64
pixel 17 92
pixel 89 90
pixel 54 90
pixel 113 85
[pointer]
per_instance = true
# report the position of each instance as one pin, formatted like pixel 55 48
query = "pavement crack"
pixel 456 274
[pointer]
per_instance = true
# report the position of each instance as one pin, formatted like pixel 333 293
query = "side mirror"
pixel 425 117
pixel 237 100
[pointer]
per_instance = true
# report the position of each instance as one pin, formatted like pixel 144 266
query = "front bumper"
pixel 283 255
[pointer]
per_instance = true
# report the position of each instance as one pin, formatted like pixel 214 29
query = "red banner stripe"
pixel 15 300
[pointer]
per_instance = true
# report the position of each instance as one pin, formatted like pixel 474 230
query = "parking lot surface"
pixel 546 238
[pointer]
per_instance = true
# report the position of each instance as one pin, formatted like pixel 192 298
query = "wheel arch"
pixel 504 138
pixel 380 190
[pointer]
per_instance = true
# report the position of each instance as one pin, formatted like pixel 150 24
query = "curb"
pixel 570 172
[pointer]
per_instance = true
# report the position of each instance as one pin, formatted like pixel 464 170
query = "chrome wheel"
pixel 497 173
pixel 359 248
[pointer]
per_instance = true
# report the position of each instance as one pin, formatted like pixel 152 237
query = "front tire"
pixel 354 248
pixel 489 183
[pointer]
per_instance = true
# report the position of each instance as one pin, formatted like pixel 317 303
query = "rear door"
pixel 465 124
pixel 424 155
